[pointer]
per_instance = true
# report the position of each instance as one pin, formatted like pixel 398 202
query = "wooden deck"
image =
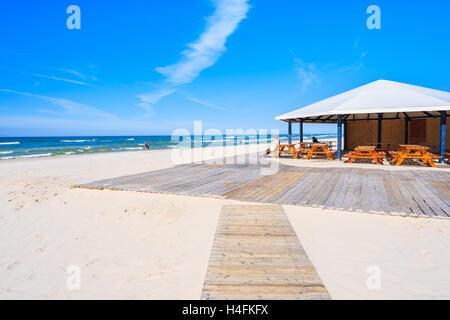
pixel 402 192
pixel 257 255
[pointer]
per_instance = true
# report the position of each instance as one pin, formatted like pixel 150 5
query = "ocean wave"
pixel 118 149
pixel 7 143
pixel 28 156
pixel 36 155
pixel 6 152
pixel 76 140
pixel 131 139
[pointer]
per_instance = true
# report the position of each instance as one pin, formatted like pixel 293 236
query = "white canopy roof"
pixel 394 100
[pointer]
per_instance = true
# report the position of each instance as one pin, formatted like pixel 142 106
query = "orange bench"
pixel 366 152
pixel 407 151
pixel 320 148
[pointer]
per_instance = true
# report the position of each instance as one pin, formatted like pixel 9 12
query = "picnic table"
pixel 411 151
pixel 384 146
pixel 366 152
pixel 319 148
pixel 302 148
pixel 287 148
pixel 329 143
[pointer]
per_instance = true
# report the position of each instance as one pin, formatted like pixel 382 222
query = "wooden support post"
pixel 442 136
pixel 339 136
pixel 406 130
pixel 380 117
pixel 301 130
pixel 290 132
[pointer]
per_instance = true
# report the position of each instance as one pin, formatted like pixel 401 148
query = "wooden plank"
pixel 407 192
pixel 336 190
pixel 374 199
pixel 259 260
pixel 340 197
pixel 275 188
pixel 435 203
pixel 442 187
pixel 400 196
pixel 412 204
pixel 381 192
pixel 295 192
pixel 252 189
pixel 320 198
pixel 312 191
pixel 443 201
pixel 348 199
pixel 356 199
pixel 417 197
pixel 365 195
pixel 391 195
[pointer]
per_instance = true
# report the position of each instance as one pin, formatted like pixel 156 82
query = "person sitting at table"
pixel 314 140
pixel 274 146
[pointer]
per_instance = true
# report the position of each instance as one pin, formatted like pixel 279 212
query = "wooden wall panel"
pixel 418 132
pixel 393 132
pixel 423 132
pixel 360 133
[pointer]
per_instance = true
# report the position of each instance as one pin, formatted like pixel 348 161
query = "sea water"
pixel 33 147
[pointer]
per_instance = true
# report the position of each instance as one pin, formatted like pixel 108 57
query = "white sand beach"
pixel 132 245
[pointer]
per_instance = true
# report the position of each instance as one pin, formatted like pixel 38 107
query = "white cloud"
pixel 154 97
pixel 205 103
pixel 306 73
pixel 74 72
pixel 206 50
pixel 81 75
pixel 61 79
pixel 68 107
pixel 147 107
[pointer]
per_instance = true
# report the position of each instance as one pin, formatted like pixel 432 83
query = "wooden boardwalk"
pixel 257 255
pixel 400 192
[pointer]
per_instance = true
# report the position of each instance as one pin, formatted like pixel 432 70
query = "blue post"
pixel 344 134
pixel 301 130
pixel 442 138
pixel 339 136
pixel 290 132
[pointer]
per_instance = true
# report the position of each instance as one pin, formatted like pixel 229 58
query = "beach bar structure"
pixel 381 112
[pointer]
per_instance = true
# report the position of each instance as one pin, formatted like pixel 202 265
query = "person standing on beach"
pixel 146 146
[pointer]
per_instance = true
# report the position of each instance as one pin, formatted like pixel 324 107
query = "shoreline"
pixel 53 148
pixel 60 156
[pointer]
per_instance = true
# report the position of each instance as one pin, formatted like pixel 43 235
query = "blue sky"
pixel 149 67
